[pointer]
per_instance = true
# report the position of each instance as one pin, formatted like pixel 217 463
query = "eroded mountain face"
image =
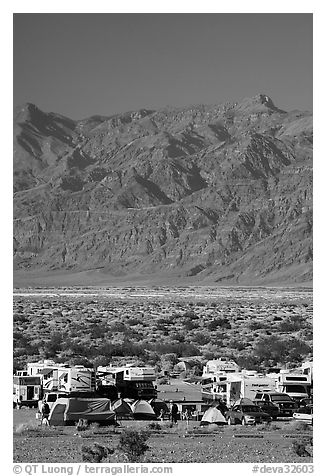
pixel 222 193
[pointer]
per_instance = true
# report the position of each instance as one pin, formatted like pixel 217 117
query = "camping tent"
pixel 213 415
pixel 121 408
pixel 142 410
pixel 157 404
pixel 67 411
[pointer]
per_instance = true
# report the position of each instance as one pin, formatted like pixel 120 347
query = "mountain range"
pixel 215 194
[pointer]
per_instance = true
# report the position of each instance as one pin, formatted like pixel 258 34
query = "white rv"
pixel 130 382
pixel 76 379
pixel 221 365
pixel 246 386
pixel 60 377
pixel 296 385
pixel 214 377
pixel 27 390
pixel 307 369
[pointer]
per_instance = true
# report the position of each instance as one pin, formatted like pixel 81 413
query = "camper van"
pixel 130 382
pixel 296 385
pixel 246 386
pixel 27 390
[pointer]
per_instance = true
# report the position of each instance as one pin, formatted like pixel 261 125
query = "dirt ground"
pixel 180 444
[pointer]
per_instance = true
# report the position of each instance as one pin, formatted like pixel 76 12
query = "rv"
pixel 221 365
pixel 307 369
pixel 246 386
pixel 214 377
pixel 130 382
pixel 296 385
pixel 47 371
pixel 59 377
pixel 214 388
pixel 27 391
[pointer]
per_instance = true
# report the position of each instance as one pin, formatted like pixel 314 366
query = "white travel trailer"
pixel 48 371
pixel 76 379
pixel 59 377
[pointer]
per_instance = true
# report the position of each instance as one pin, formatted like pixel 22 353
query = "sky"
pixel 80 64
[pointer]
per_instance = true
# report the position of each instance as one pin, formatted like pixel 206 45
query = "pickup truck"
pixel 283 401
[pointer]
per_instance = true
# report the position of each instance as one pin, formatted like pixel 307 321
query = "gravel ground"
pixel 171 445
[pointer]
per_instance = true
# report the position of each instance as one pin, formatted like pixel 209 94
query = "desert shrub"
pixel 297 349
pixel 134 321
pixel 82 425
pixel 237 344
pixel 153 425
pixel 255 325
pixel 179 337
pixel 118 327
pixel 132 444
pixel 190 314
pixel 95 453
pixel 270 349
pixel 300 446
pixel 289 325
pixel 190 325
pixel 201 338
pixel 268 426
pixel 183 349
pixel 300 426
pixel 219 322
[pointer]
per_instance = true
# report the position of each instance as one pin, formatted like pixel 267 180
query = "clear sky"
pixel 84 64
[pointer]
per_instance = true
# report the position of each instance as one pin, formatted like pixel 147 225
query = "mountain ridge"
pixel 220 194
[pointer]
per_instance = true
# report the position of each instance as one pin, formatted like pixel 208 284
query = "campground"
pixel 182 443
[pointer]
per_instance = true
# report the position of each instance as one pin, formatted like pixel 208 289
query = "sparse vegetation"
pixel 132 444
pixel 95 453
pixel 302 446
pixel 96 332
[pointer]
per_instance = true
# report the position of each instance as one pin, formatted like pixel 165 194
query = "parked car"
pixel 284 402
pixel 304 414
pixel 305 402
pixel 245 414
pixel 268 407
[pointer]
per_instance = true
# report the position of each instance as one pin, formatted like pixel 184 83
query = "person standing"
pixel 174 413
pixel 45 412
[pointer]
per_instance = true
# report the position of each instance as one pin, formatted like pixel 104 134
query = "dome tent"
pixel 157 404
pixel 213 415
pixel 142 410
pixel 121 408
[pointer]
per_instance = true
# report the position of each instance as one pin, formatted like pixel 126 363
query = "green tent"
pixel 142 410
pixel 67 411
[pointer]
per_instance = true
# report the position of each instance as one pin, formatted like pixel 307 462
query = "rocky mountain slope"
pixel 221 193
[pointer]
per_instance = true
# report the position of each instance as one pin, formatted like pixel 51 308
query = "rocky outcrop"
pixel 219 193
